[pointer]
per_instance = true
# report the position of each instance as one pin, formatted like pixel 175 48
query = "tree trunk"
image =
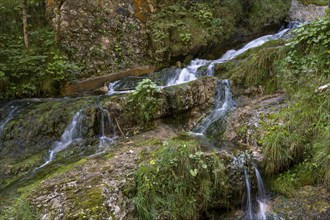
pixel 25 24
pixel 58 25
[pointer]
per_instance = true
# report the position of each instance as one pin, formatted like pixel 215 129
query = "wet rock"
pixel 306 13
pixel 309 202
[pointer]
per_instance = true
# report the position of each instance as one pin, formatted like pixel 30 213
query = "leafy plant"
pixel 144 102
pixel 180 182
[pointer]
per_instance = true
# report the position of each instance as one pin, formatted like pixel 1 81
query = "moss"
pixel 315 2
pixel 254 68
pixel 267 13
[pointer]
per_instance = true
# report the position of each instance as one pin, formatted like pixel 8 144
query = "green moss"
pixel 254 68
pixel 315 2
pixel 267 12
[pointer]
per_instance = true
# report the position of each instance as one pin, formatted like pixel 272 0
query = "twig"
pixel 122 133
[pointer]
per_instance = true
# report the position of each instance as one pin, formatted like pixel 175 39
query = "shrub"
pixel 180 182
pixel 144 102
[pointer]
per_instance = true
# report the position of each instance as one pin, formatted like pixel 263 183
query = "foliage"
pixel 172 30
pixel 180 182
pixel 20 211
pixel 144 102
pixel 288 182
pixel 315 2
pixel 267 12
pixel 37 71
pixel 302 128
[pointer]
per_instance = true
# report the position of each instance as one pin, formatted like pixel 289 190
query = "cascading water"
pixel 13 110
pixel 191 71
pixel 72 132
pixel 223 104
pixel 112 89
pixel 261 198
pixel 249 212
pixel 106 127
pixel 243 162
pixel 187 74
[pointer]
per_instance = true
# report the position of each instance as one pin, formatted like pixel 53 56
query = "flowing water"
pixel 223 104
pixel 256 204
pixel 191 72
pixel 107 127
pixel 261 197
pixel 72 132
pixel 13 110
pixel 249 212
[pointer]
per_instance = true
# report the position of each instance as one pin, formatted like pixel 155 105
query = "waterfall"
pixel 248 191
pixel 242 163
pixel 223 103
pixel 112 89
pixel 261 198
pixel 106 127
pixel 187 74
pixel 191 71
pixel 71 133
pixel 7 118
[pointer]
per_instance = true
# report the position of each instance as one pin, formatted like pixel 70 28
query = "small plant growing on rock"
pixel 144 102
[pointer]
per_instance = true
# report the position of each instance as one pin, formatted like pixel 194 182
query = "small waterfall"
pixel 223 103
pixel 106 126
pixel 261 197
pixel 112 89
pixel 72 132
pixel 248 191
pixel 191 71
pixel 13 110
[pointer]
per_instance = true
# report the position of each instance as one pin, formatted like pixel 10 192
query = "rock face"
pixel 107 36
pixel 303 13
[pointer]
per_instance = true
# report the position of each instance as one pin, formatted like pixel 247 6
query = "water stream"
pixel 261 197
pixel 107 127
pixel 71 133
pixel 223 104
pixel 8 117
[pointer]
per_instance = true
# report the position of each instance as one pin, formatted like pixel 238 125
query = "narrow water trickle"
pixel 7 118
pixel 256 204
pixel 261 197
pixel 249 211
pixel 72 132
pixel 106 127
pixel 223 104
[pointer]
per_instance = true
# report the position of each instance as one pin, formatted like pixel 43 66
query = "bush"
pixel 180 182
pixel 144 102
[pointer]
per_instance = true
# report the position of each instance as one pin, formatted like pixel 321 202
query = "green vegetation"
pixel 315 2
pixel 21 210
pixel 267 13
pixel 144 102
pixel 35 71
pixel 302 130
pixel 179 181
pixel 299 133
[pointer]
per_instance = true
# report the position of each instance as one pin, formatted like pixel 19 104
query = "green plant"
pixel 21 210
pixel 302 130
pixel 144 102
pixel 185 37
pixel 179 181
